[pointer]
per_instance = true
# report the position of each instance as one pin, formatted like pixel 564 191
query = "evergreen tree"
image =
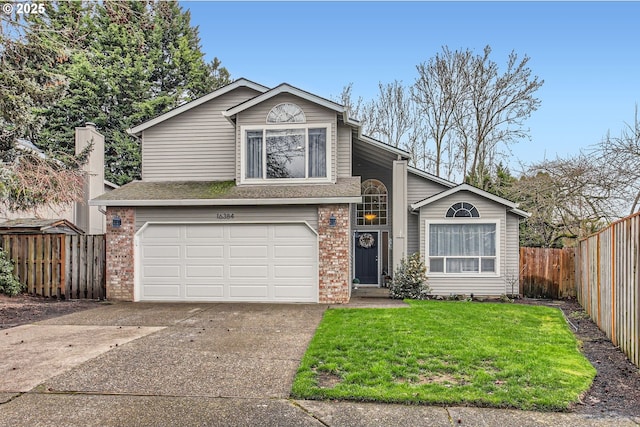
pixel 130 61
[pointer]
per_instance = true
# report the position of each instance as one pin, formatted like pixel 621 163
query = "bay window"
pixel 462 247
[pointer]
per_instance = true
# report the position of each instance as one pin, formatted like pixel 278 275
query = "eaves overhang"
pixel 228 202
pixel 137 130
pixel 511 206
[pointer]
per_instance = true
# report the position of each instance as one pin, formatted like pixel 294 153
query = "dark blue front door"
pixel 366 257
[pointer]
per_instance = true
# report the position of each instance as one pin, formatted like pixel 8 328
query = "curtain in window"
pixel 254 154
pixel 462 240
pixel 317 153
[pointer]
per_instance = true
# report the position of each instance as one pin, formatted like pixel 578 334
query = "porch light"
pixel 370 216
pixel 332 221
pixel 116 222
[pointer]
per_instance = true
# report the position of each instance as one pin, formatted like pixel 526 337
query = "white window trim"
pixel 283 126
pixel 498 255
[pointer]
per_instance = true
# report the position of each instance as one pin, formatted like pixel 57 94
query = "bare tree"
pixel 391 114
pixel 495 108
pixel 568 198
pixel 439 92
pixel 619 158
pixel 470 109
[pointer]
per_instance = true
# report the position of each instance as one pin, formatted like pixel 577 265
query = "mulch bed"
pixel 615 390
pixel 23 309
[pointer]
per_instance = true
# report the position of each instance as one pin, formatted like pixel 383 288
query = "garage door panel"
pixel 162 231
pixel 292 271
pixel 289 231
pixel 205 271
pixel 161 271
pixel 204 291
pixel 294 251
pixel 246 251
pixel 248 271
pixel 162 290
pixel 201 251
pixel 228 262
pixel 295 292
pixel 250 231
pixel 161 251
pixel 203 231
pixel 248 291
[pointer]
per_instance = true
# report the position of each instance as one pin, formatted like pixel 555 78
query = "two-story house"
pixel 258 194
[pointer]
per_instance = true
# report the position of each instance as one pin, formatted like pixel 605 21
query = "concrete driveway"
pixel 194 365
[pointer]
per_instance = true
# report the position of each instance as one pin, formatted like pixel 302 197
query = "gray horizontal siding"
pixel 478 285
pixel 197 145
pixel 512 267
pixel 418 188
pixel 344 151
pixel 257 116
pixel 264 214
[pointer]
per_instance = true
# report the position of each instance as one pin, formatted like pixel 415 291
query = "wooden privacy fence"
pixel 608 283
pixel 59 265
pixel 547 272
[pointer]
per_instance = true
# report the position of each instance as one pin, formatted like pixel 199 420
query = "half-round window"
pixel 373 209
pixel 462 210
pixel 286 112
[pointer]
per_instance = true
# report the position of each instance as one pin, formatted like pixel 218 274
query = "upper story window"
pixel 373 209
pixel 462 210
pixel 286 112
pixel 286 151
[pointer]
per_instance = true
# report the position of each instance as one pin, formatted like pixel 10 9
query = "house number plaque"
pixel 224 215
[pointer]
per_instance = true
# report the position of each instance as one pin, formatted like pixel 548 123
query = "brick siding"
pixel 120 251
pixel 334 256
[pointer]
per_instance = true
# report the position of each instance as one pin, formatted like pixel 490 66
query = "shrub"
pixel 410 279
pixel 8 283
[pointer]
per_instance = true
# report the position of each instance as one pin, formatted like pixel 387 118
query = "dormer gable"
pixel 289 136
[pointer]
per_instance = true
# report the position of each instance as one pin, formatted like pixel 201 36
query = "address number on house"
pixel 224 215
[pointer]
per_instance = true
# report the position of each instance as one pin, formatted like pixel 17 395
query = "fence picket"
pixel 57 265
pixel 608 284
pixel 547 272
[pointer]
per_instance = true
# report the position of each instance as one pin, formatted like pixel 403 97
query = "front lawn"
pixel 436 352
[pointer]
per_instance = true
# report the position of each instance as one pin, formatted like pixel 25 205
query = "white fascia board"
pixel 520 212
pixel 284 88
pixel 189 105
pixel 431 177
pixel 464 187
pixel 228 202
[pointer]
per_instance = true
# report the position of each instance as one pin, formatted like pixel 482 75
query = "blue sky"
pixel 586 52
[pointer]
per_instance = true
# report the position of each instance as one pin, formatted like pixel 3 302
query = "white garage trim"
pixel 281 265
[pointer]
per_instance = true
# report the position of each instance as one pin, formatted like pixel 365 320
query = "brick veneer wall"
pixel 334 259
pixel 120 259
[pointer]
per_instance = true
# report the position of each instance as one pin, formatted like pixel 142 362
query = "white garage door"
pixel 227 262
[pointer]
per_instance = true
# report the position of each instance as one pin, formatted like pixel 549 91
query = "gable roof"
pixel 513 207
pixel 137 130
pixel 431 177
pixel 399 152
pixel 287 88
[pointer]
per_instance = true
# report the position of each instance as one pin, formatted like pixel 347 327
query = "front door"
pixel 366 257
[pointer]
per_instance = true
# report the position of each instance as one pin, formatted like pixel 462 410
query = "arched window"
pixel 373 209
pixel 287 112
pixel 462 210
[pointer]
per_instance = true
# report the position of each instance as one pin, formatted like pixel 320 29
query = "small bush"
pixel 410 279
pixel 8 283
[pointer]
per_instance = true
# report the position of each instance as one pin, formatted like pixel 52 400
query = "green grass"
pixel 500 355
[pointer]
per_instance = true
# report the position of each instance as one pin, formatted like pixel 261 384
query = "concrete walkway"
pixel 197 364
